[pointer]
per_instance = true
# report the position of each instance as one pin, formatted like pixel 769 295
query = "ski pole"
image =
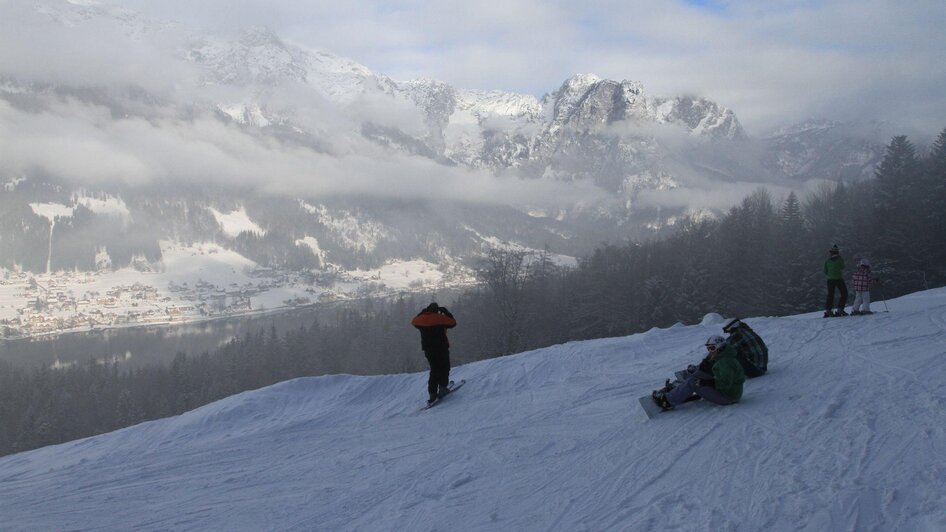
pixel 882 298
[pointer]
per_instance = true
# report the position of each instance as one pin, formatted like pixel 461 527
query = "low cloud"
pixel 720 196
pixel 82 143
pixel 47 46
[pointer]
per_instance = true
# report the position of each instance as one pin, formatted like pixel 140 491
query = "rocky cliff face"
pixel 590 128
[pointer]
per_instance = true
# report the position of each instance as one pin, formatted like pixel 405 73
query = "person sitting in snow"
pixel 862 280
pixel 719 383
pixel 751 351
pixel 834 273
pixel 433 322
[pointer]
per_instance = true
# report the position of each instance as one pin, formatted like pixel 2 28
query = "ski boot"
pixel 432 399
pixel 840 312
pixel 442 391
pixel 828 314
pixel 661 400
pixel 856 313
pixel 667 387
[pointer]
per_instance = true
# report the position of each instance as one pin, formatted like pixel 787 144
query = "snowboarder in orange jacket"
pixel 433 322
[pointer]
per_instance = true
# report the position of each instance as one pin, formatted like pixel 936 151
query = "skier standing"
pixel 433 322
pixel 834 272
pixel 862 280
pixel 720 383
pixel 751 351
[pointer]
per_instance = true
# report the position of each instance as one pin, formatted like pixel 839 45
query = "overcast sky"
pixel 772 62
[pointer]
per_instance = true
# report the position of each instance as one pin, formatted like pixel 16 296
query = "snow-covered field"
pixel 846 432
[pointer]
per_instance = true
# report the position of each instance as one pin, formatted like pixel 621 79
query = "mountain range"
pixel 157 114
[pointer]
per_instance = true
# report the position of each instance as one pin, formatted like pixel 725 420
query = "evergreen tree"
pixel 743 254
pixel 697 294
pixel 936 209
pixel 896 198
pixel 790 258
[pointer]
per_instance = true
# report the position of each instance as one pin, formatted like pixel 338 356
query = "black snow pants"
pixel 840 286
pixel 439 361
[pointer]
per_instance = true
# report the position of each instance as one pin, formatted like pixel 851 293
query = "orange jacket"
pixel 433 329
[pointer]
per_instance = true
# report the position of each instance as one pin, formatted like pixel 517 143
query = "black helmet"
pixel 433 307
pixel 834 250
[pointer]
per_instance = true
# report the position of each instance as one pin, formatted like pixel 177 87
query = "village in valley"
pixel 190 282
pixel 73 301
pixel 201 282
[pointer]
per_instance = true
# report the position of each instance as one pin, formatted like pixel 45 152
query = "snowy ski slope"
pixel 846 432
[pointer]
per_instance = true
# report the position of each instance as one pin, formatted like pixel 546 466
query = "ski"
pixel 452 387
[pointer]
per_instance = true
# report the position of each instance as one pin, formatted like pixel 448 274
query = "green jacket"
pixel 728 373
pixel 834 268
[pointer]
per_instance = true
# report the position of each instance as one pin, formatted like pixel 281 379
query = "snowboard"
pixel 451 387
pixel 649 407
pixel 681 375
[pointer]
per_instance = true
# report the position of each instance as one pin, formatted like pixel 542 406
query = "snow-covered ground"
pixel 235 222
pixel 846 432
pixel 110 206
pixel 402 275
pixel 531 254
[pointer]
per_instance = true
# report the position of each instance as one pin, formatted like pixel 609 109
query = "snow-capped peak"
pixel 580 82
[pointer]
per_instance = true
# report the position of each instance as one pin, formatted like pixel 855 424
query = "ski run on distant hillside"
pixel 846 432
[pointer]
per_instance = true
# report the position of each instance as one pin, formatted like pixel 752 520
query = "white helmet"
pixel 865 263
pixel 716 341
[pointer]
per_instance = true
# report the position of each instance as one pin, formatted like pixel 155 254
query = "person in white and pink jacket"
pixel 862 280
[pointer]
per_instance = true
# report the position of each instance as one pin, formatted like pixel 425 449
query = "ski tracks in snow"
pixel 846 431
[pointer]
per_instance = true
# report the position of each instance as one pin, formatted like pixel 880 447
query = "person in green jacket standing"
pixel 721 384
pixel 834 273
